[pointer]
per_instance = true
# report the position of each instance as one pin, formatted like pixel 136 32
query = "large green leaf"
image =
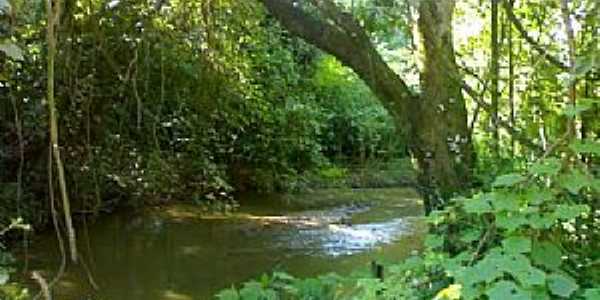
pixel 468 277
pixel 507 290
pixel 508 180
pixel 256 291
pixel 532 276
pixel 547 255
pixel 588 147
pixel 455 265
pixel 513 263
pixel 510 221
pixel 596 184
pixel 536 195
pixel 229 294
pixel 592 294
pixel 487 270
pixel 541 220
pixel 567 212
pixel 575 181
pixel 507 201
pixel 471 292
pixel 548 166
pixel 470 235
pixel 517 244
pixel 561 285
pixel 573 111
pixel 540 293
pixel 434 241
pixel 479 204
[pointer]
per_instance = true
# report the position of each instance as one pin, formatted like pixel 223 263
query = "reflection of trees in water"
pixel 159 255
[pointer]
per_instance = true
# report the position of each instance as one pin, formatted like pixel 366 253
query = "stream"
pixel 181 251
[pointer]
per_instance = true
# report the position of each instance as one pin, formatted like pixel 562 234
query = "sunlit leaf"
pixel 508 180
pixel 575 181
pixel 510 220
pixel 478 204
pixel 452 292
pixel 567 212
pixel 549 166
pixel 573 111
pixel 512 263
pixel 536 195
pixel 531 276
pixel 434 241
pixel 469 276
pixel 470 235
pixel 541 220
pixel 517 244
pixel 487 269
pixel 587 147
pixel 561 285
pixel 505 201
pixel 11 50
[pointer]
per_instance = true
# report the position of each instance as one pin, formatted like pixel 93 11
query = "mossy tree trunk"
pixel 433 122
pixel 442 142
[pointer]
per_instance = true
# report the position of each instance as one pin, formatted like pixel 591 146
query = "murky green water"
pixel 179 252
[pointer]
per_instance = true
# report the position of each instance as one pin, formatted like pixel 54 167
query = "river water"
pixel 180 252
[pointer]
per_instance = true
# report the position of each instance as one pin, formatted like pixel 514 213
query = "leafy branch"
pixel 523 32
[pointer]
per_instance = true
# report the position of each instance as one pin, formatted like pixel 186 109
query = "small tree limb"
pixel 45 290
pixel 523 32
pixel 511 130
pixel 566 16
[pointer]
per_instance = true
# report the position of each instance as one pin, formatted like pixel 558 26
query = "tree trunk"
pixel 495 68
pixel 566 15
pixel 53 13
pixel 511 87
pixel 443 146
pixel 435 122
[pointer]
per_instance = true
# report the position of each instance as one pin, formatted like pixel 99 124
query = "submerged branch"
pixel 43 285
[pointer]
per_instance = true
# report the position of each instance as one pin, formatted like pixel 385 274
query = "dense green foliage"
pixel 197 100
pixel 248 107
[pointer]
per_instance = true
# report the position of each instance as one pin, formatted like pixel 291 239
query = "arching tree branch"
pixel 340 35
pixel 433 122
